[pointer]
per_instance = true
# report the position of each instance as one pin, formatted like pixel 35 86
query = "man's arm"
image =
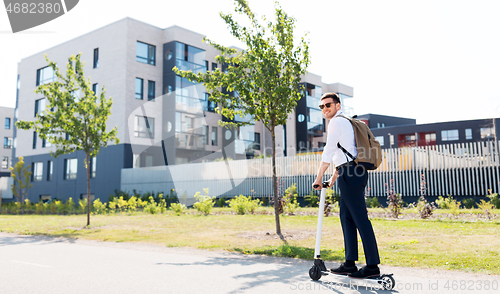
pixel 321 171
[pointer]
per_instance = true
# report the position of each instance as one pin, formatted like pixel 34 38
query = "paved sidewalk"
pixel 37 264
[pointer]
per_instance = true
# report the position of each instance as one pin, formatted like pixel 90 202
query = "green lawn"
pixel 444 244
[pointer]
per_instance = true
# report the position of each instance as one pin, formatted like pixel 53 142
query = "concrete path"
pixel 36 264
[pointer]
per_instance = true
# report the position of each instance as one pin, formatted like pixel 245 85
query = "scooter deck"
pixel 384 281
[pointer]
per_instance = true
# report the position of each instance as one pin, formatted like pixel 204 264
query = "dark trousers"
pixel 352 181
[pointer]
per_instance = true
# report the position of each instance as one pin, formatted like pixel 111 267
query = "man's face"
pixel 330 108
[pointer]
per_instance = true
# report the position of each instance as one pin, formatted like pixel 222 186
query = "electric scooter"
pixel 319 269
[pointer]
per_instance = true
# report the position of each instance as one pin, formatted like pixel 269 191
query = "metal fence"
pixel 456 169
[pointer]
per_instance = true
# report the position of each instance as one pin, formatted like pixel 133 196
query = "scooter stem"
pixel 321 212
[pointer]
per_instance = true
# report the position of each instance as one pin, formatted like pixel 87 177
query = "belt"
pixel 344 164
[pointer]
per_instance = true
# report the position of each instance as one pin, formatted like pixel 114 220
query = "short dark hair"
pixel 332 95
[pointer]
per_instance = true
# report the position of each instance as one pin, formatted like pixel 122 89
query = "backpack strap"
pixel 342 148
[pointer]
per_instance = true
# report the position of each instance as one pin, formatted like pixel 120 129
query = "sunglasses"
pixel 327 105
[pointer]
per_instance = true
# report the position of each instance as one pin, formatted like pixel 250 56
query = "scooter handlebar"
pixel 324 184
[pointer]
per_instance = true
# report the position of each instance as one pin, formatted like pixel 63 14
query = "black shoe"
pixel 365 272
pixel 344 270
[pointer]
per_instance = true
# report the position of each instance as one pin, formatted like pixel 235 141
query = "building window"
pixel 139 88
pixel 206 130
pixel 7 123
pixel 214 136
pixel 39 106
pixel 151 90
pixel 146 53
pixel 487 133
pixel 95 89
pixel 207 65
pixel 214 66
pixel 84 196
pixel 45 198
pixel 70 168
pixel 144 127
pixel 212 105
pixel 380 139
pixel 96 57
pixel 430 137
pixel 5 162
pixel 468 134
pixel 7 143
pixel 37 169
pixel 44 75
pixel 50 170
pixel 93 167
pixel 256 141
pixel 34 140
pixel 449 135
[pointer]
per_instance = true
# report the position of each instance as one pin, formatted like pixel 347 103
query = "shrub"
pixel 455 207
pixel 394 201
pixel 162 205
pixel 494 199
pixel 28 206
pixel 444 203
pixel 59 207
pixel 290 204
pixel 469 203
pixel 331 201
pixel 221 201
pixel 82 203
pixel 205 203
pixel 242 205
pixel 486 207
pixel 112 204
pixel 372 202
pixel 172 197
pixel 121 204
pixel 312 199
pixel 99 207
pixel 151 207
pixel 178 208
pixel 132 204
pixel 424 208
pixel 70 206
pixel 40 208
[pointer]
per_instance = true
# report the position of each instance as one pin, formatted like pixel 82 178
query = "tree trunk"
pixel 275 184
pixel 88 188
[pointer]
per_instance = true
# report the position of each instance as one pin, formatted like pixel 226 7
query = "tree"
pixel 21 176
pixel 261 81
pixel 75 118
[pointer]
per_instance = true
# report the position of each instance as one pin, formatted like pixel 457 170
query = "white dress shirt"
pixel 339 131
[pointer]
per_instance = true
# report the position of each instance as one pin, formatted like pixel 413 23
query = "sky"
pixel 433 61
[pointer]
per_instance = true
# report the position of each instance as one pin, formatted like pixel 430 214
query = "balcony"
pixel 194 67
pixel 190 104
pixel 190 141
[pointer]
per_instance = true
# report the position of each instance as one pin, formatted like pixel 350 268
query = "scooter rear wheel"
pixel 315 273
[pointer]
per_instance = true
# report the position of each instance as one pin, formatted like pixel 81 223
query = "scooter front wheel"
pixel 315 273
pixel 388 282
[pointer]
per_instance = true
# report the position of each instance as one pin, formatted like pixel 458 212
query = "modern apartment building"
pixel 6 133
pixel 162 119
pixel 396 132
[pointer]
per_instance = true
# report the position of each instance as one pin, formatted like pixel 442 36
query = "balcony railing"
pixel 190 141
